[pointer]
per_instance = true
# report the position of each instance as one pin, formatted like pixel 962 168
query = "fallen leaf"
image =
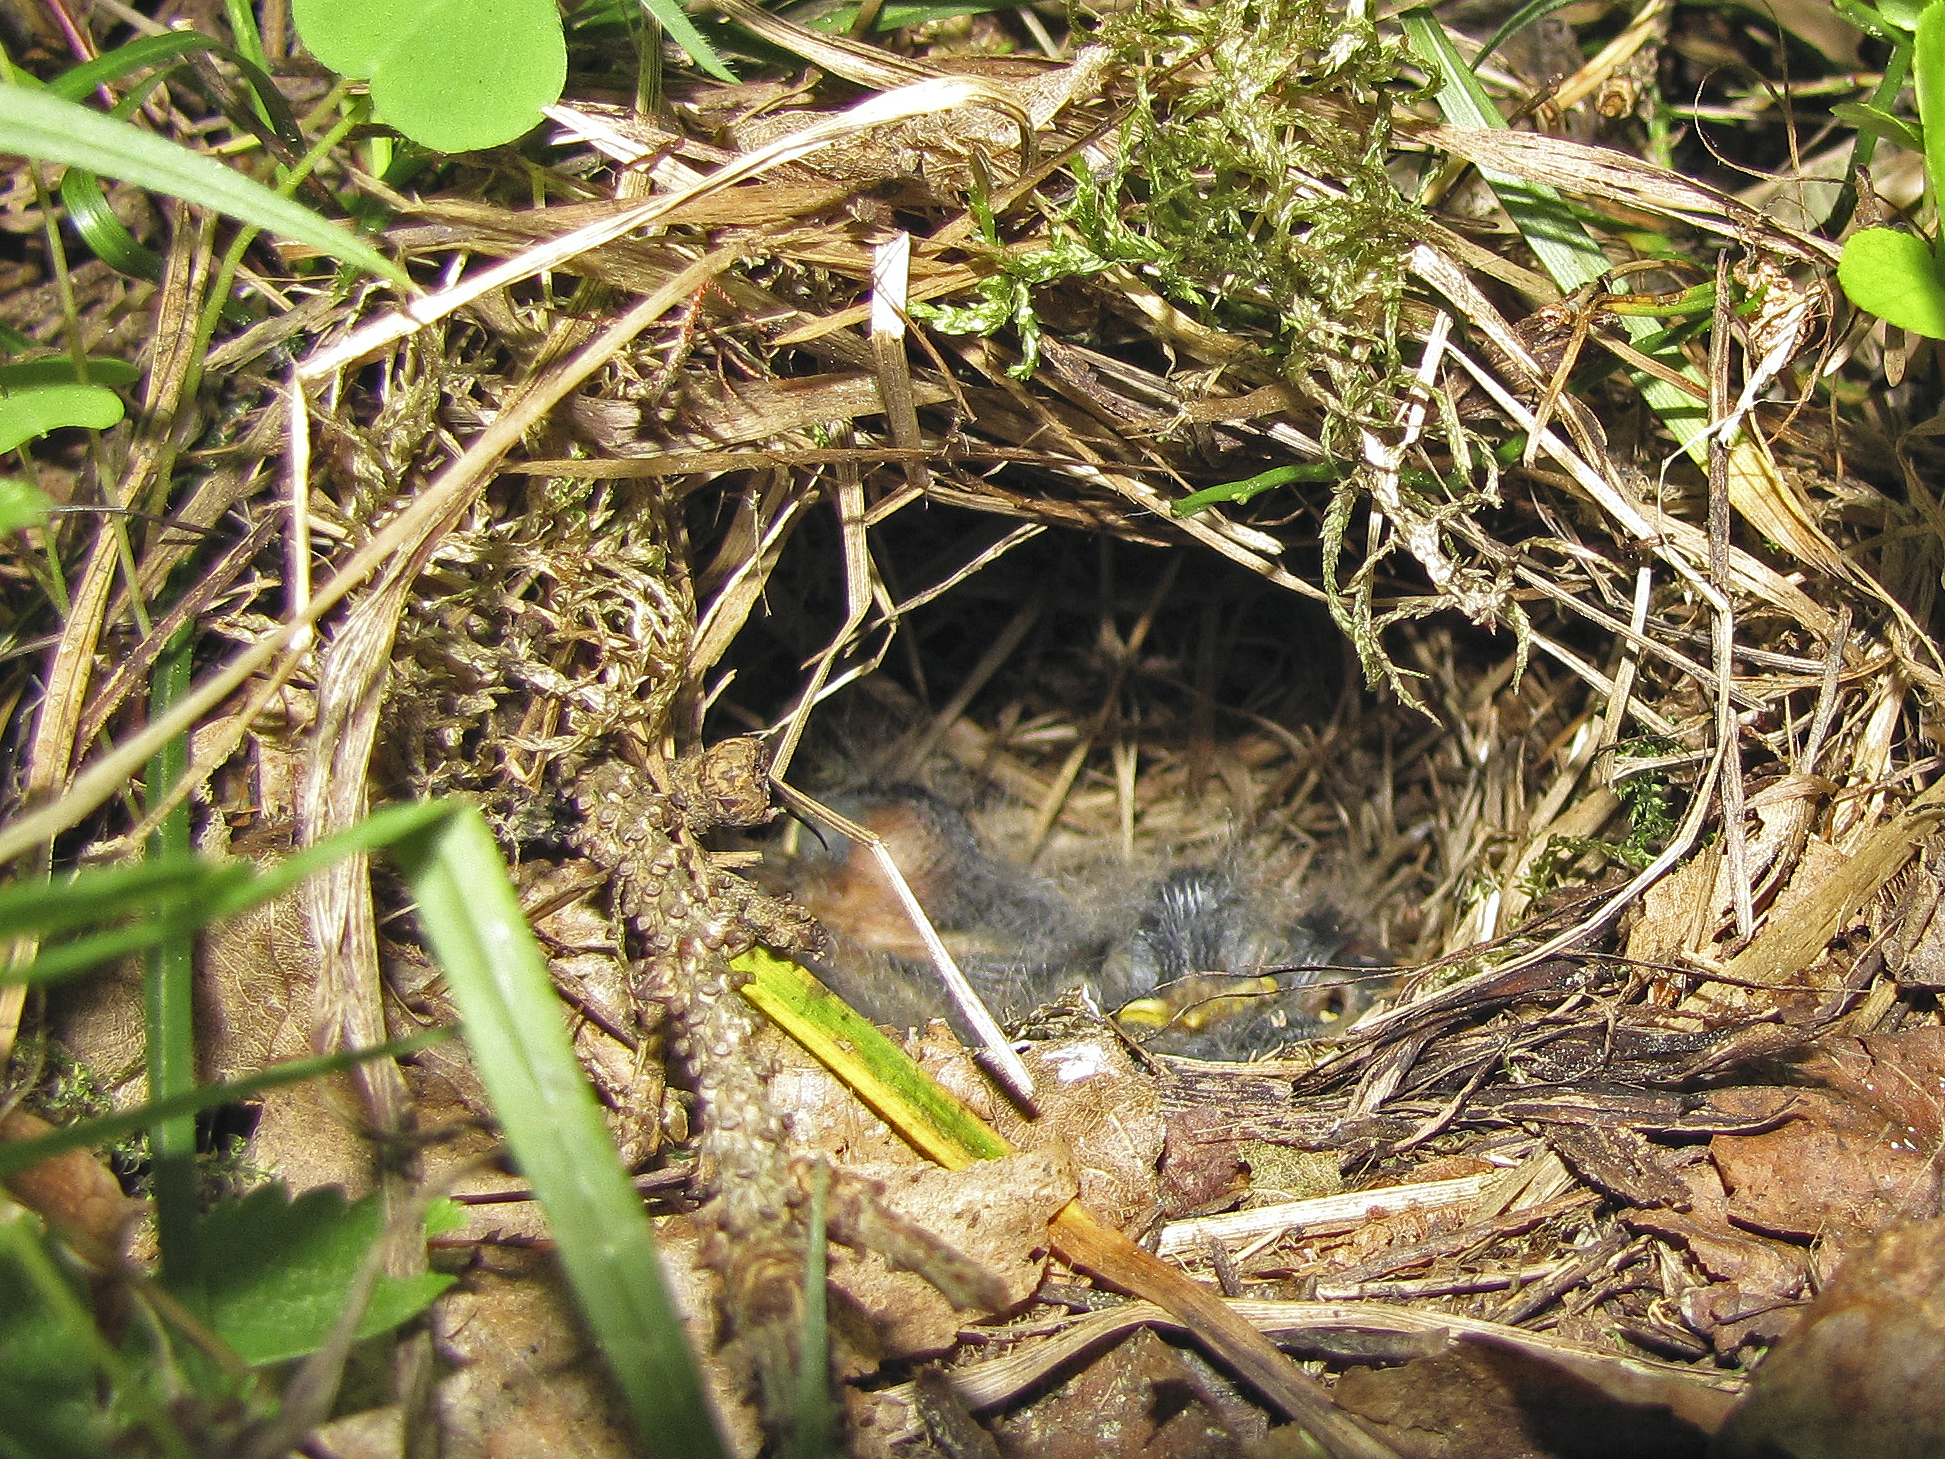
pixel 1861 1376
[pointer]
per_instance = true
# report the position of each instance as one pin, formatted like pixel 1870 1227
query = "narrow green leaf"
pixel 34 124
pixel 92 1134
pixel 1242 491
pixel 180 893
pixel 162 53
pixel 106 235
pixel 168 997
pixel 1891 273
pixel 1519 20
pixel 108 893
pixel 382 827
pixel 71 959
pixel 1878 122
pixel 243 25
pixel 896 16
pixel 1928 82
pixel 516 1025
pixel 669 15
pixel 1571 257
pixel 78 82
pixel 60 370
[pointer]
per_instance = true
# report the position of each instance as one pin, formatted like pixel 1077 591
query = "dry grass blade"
pixel 1107 1253
pixel 995 1381
pixel 1614 176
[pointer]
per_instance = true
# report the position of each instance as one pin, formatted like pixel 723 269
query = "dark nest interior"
pixel 1434 771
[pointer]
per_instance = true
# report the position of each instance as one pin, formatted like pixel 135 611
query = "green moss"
pixel 1251 174
pixel 1250 189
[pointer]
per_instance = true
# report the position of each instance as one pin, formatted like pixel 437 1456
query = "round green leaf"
pixel 36 412
pixel 453 75
pixel 472 73
pixel 1891 274
pixel 352 36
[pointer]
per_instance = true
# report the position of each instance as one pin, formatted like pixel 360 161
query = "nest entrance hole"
pixel 1095 703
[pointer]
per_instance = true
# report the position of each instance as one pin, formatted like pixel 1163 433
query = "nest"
pixel 1109 445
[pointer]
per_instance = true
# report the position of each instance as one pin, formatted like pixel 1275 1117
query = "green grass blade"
pixel 669 15
pixel 168 997
pixel 91 897
pixel 382 827
pixel 77 82
pixel 66 370
pixel 106 235
pixel 36 124
pixel 816 1433
pixel 178 894
pixel 516 1025
pixel 1519 20
pixel 1565 250
pixel 1883 99
pixel 1928 83
pixel 70 959
pixel 90 1134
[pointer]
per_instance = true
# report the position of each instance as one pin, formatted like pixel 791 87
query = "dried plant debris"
pixel 1846 1380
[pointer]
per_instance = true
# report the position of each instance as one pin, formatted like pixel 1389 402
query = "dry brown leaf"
pixel 1861 1375
pixel 994 1214
pixel 1849 1158
pixel 1137 1399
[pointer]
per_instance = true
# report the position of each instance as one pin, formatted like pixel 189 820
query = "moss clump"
pixel 1251 174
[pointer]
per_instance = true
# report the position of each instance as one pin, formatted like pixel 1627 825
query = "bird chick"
pixel 1209 969
pixel 1015 936
pixel 1202 963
